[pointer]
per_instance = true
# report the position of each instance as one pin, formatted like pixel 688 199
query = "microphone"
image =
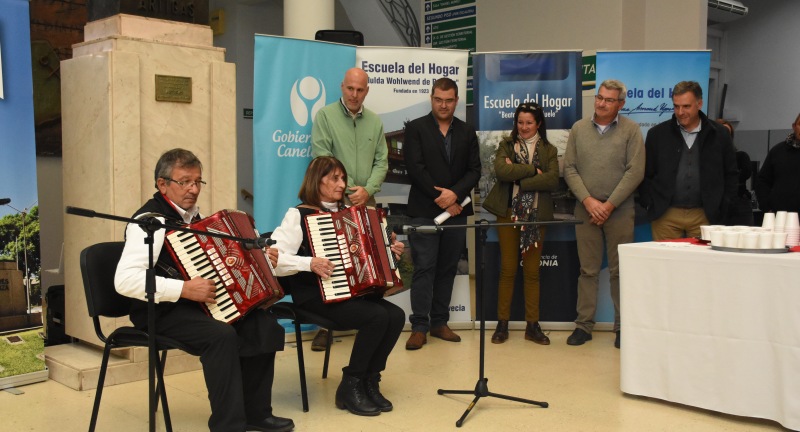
pixel 81 211
pixel 423 229
pixel 4 201
pixel 259 243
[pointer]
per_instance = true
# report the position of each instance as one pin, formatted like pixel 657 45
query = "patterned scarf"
pixel 792 141
pixel 525 205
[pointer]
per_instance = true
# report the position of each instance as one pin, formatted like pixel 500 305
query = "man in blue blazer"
pixel 443 162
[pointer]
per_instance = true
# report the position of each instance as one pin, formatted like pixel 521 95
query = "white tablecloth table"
pixel 711 329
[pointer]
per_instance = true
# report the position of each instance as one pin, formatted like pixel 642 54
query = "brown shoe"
pixel 534 333
pixel 416 340
pixel 501 333
pixel 320 342
pixel 444 332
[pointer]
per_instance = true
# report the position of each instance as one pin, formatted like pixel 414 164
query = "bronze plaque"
pixel 173 88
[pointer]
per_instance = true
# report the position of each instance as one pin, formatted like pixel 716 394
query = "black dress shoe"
pixel 320 342
pixel 578 337
pixel 271 424
pixel 617 340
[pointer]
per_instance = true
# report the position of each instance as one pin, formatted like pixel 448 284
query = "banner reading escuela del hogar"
pixel 503 80
pixel 294 78
pixel 400 81
pixel 650 77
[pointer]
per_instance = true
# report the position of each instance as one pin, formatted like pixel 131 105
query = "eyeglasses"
pixel 439 101
pixel 608 100
pixel 186 184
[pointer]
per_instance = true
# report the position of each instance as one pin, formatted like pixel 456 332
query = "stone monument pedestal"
pixel 135 88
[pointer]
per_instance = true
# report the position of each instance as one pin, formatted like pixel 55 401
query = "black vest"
pixel 165 265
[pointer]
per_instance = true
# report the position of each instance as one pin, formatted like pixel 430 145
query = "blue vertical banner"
pixel 553 80
pixel 503 80
pixel 650 77
pixel 18 145
pixel 20 291
pixel 294 79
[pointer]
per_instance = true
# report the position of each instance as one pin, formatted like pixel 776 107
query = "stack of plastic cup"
pixel 780 222
pixel 769 221
pixel 792 229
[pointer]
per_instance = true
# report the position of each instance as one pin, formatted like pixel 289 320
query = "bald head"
pixel 354 89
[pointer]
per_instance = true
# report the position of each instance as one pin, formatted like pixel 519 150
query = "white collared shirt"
pixel 604 128
pixel 690 136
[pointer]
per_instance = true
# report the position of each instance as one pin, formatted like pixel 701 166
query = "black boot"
pixel 352 396
pixel 533 332
pixel 501 333
pixel 374 393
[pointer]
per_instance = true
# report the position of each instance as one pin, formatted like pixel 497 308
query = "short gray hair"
pixel 613 84
pixel 176 157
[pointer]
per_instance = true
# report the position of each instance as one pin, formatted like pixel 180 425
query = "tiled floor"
pixel 581 384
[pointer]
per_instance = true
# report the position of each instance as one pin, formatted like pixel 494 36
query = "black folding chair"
pixel 98 265
pixel 299 316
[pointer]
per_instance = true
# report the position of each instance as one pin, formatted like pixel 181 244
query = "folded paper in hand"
pixel 445 215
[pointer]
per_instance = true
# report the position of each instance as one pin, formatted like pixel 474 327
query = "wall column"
pixel 299 23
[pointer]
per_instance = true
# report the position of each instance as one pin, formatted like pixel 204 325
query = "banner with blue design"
pixel 400 81
pixel 550 79
pixel 650 77
pixel 553 80
pixel 294 78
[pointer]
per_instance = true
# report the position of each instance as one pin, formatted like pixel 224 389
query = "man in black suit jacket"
pixel 690 175
pixel 443 162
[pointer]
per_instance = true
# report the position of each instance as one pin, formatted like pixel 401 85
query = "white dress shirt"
pixel 132 268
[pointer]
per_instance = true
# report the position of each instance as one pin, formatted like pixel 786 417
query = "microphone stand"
pixel 150 225
pixel 481 387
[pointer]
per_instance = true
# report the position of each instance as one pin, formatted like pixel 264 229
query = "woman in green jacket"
pixel 526 166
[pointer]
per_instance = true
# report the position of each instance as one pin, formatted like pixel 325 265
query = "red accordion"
pixel 357 241
pixel 244 278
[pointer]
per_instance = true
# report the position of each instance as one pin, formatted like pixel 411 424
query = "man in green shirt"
pixel 353 134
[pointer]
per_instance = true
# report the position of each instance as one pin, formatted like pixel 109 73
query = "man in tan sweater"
pixel 603 166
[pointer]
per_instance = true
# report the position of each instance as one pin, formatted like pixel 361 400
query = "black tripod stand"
pixel 482 387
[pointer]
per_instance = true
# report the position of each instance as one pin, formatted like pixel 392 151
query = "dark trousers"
pixel 435 258
pixel 378 322
pixel 239 388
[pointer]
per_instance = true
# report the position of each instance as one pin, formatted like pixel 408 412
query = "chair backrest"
pixel 98 265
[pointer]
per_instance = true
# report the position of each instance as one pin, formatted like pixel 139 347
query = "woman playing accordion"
pixel 378 321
